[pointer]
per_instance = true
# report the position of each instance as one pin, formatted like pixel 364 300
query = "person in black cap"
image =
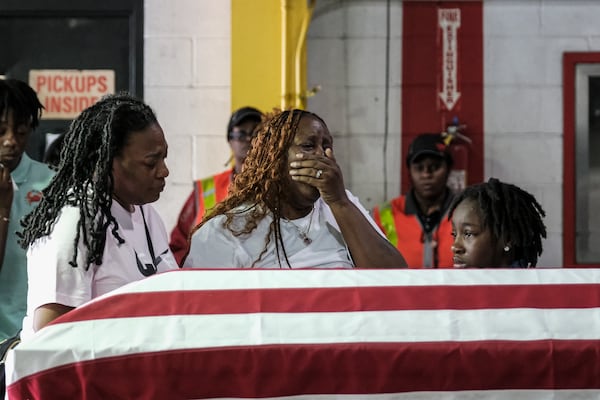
pixel 208 191
pixel 416 223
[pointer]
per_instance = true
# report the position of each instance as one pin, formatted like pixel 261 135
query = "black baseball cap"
pixel 428 144
pixel 241 115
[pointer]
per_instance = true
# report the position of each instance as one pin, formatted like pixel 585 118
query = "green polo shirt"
pixel 30 177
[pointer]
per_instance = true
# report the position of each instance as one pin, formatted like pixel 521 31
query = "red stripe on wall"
pixel 355 368
pixel 422 65
pixel 569 204
pixel 346 299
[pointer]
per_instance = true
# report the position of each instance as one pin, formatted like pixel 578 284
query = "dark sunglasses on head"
pixel 240 135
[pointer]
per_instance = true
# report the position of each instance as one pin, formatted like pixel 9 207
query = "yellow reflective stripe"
pixel 389 226
pixel 209 194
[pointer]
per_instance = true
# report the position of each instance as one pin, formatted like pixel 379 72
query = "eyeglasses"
pixel 241 136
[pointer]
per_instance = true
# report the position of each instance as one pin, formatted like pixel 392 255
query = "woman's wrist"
pixel 4 215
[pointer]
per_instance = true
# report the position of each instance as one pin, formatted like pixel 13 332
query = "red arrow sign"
pixel 449 22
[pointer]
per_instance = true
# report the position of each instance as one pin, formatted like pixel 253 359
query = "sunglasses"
pixel 241 136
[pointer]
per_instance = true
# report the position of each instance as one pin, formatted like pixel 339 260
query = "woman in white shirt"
pixel 289 207
pixel 94 230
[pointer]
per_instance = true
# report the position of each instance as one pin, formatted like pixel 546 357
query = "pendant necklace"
pixel 303 233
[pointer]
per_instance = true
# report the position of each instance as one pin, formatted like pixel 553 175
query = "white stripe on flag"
pixel 276 279
pixel 455 395
pixel 122 336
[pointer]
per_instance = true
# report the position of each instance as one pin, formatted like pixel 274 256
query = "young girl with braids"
pixel 496 224
pixel 288 208
pixel 93 230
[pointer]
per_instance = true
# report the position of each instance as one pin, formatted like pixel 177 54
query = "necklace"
pixel 303 233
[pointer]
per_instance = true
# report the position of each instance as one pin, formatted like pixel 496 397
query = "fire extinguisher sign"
pixel 65 93
pixel 449 23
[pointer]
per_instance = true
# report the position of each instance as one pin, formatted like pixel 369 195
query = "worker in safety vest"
pixel 417 223
pixel 208 191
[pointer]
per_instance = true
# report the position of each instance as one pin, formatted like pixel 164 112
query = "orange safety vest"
pixel 210 191
pixel 406 233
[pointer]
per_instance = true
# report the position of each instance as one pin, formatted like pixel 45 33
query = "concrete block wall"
pixel 346 56
pixel 524 42
pixel 187 81
pixel 523 46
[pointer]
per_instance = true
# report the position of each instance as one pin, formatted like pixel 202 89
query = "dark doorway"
pixel 73 35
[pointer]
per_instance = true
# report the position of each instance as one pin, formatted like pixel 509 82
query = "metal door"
pixel 587 163
pixel 71 35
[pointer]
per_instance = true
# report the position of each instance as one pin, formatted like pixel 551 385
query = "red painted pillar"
pixel 442 75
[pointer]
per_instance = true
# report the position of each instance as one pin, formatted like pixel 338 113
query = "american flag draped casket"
pixel 344 334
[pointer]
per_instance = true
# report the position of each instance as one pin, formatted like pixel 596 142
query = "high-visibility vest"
pixel 404 231
pixel 210 191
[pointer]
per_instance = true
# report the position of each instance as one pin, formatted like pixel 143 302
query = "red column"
pixel 442 75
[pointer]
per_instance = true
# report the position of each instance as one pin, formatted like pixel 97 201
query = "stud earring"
pixel 506 248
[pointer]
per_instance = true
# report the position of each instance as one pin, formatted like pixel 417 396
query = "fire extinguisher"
pixel 458 144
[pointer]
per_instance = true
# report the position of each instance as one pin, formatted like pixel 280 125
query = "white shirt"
pixel 53 280
pixel 214 246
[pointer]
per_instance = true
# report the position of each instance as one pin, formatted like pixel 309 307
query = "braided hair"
pixel 263 185
pixel 84 178
pixel 512 215
pixel 20 99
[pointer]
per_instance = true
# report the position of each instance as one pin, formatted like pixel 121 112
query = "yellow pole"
pixel 255 54
pixel 268 53
pixel 284 64
pixel 299 56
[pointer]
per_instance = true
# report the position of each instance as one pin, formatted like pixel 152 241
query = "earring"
pixel 506 248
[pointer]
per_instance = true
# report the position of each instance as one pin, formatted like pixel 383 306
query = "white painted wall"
pixel 523 47
pixel 346 56
pixel 187 81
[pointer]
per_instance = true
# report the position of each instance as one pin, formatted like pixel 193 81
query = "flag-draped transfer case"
pixel 355 334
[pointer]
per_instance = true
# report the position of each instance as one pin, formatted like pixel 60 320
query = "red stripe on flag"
pixel 354 368
pixel 344 299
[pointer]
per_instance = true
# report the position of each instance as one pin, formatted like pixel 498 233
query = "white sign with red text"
pixel 449 22
pixel 65 93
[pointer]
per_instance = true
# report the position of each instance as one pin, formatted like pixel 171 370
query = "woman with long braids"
pixel 93 231
pixel 288 208
pixel 496 224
